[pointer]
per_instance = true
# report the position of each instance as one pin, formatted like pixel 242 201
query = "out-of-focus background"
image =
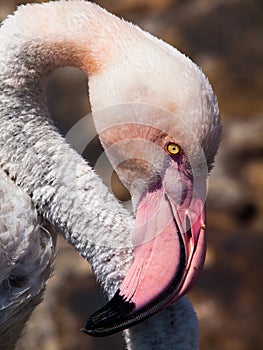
pixel 226 39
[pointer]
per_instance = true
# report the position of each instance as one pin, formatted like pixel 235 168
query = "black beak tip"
pixel 86 331
pixel 98 329
pixel 94 332
pixel 119 313
pixel 111 318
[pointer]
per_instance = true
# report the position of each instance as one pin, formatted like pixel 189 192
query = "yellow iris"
pixel 173 148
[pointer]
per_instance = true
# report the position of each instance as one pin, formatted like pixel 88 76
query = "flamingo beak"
pixel 169 252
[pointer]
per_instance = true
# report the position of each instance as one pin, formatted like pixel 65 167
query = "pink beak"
pixel 169 252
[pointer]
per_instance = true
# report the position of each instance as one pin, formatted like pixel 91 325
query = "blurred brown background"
pixel 226 39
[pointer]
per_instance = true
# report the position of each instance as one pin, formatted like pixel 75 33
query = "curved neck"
pixel 64 189
pixel 42 37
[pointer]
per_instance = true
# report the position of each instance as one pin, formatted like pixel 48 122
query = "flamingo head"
pixel 159 124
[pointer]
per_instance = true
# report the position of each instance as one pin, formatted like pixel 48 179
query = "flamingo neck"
pixel 43 37
pixel 63 188
pixel 176 326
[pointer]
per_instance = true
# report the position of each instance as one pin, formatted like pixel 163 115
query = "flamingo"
pixel 159 123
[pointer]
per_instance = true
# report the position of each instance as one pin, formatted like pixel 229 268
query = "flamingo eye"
pixel 173 148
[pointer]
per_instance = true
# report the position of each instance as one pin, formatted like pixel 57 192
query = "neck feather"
pixel 176 327
pixel 64 189
pixel 43 37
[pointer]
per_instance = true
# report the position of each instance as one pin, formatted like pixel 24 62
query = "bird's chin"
pixel 168 257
